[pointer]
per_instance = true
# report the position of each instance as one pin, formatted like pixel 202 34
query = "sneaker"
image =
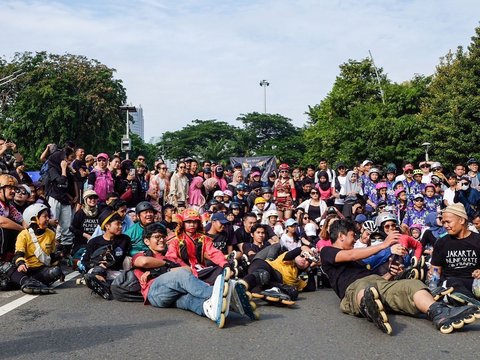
pixel 240 301
pixel 216 307
pixel 99 287
pixel 371 307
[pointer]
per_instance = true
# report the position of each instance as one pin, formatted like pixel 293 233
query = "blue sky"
pixel 183 60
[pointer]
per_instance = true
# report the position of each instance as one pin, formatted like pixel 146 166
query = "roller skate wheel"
pixel 224 305
pixel 388 328
pixel 375 293
pixel 414 274
pixel 228 274
pixel 458 324
pixel 257 296
pixel 78 281
pixel 384 316
pixel 225 290
pixel 249 295
pixel 253 305
pixel 221 321
pixel 288 302
pixel 272 299
pixel 422 274
pixel 256 314
pixel 422 261
pixel 446 329
pixel 470 319
pixel 477 314
pixel 414 262
pixel 379 305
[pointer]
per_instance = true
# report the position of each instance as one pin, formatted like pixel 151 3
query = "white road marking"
pixel 26 298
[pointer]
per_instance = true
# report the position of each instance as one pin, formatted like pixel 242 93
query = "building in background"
pixel 137 122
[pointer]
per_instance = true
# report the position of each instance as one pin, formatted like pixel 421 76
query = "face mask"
pixel 465 187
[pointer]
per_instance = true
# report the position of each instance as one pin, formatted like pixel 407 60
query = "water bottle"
pixel 432 285
pixel 476 288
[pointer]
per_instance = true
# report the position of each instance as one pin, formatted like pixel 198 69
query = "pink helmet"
pixel 399 191
pixel 381 185
pixel 430 185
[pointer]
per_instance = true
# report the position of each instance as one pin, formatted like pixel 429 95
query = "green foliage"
pixel 58 98
pixel 352 123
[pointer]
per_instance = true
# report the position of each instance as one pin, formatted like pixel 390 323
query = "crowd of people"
pixel 211 238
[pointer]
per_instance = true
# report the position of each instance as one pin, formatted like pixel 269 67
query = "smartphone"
pixel 132 172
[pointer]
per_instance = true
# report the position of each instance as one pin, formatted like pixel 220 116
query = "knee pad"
pixel 262 277
pixel 55 273
pixel 98 270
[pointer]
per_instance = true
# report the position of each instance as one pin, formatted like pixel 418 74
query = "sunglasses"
pixel 313 192
pixel 141 159
pixel 418 200
pixel 181 167
pixel 284 171
pixel 163 168
pixel 425 166
pixel 22 192
pixel 93 197
pixel 409 172
pixel 390 226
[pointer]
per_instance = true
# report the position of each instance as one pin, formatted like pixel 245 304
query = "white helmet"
pixel 383 217
pixel 32 212
pixel 269 213
pixel 370 226
pixel 218 193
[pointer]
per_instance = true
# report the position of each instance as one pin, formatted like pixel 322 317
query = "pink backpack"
pixel 103 184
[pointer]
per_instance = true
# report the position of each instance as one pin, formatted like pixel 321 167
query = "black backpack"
pixel 126 287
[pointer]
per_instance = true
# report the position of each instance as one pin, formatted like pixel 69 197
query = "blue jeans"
pixel 181 289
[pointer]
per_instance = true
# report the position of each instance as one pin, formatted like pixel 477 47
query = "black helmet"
pixel 267 190
pixel 144 206
pixel 234 205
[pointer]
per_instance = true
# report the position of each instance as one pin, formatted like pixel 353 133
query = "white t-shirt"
pixel 288 242
pixel 449 195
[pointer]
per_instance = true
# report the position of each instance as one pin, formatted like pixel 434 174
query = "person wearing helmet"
pixel 241 198
pixel 104 255
pixel 227 198
pixel 401 203
pixel 236 212
pixel 190 247
pixel 267 194
pixel 415 214
pixel 380 195
pixel 11 220
pixel 368 227
pixel 418 177
pixel 426 175
pixel 84 223
pixel 36 265
pixel 409 183
pixel 218 195
pixel 433 201
pixel 473 173
pixel 370 182
pixel 284 192
pixel 146 215
pixel 258 207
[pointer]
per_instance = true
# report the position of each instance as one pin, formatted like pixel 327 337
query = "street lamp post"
pixel 126 143
pixel 264 84
pixel 426 145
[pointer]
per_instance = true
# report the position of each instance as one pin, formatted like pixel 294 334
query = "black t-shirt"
pixel 314 212
pixel 220 241
pixel 457 257
pixel 241 236
pixel 341 274
pixel 170 225
pixel 119 247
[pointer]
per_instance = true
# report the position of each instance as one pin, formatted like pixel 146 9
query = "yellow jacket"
pixel 26 246
pixel 289 272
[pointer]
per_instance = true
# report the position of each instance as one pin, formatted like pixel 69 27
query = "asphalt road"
pixel 74 324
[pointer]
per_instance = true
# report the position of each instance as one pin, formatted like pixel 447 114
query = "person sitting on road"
pixel 104 255
pixel 146 215
pixel 35 264
pixel 191 247
pixel 456 255
pixel 363 293
pixel 167 284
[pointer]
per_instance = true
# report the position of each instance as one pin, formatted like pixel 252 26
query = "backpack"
pixel 103 184
pixel 126 287
pixel 44 174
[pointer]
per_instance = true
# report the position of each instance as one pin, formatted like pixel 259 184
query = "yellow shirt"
pixel 26 245
pixel 289 272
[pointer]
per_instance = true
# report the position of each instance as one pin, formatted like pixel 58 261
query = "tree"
pixel 58 98
pixel 451 118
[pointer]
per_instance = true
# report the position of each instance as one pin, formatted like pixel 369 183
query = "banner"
pixel 267 164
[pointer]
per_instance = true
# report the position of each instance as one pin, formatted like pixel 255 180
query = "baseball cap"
pixel 260 200
pixel 290 222
pixel 408 167
pixel 365 162
pixel 418 196
pixel 219 216
pixel 256 173
pixel 102 155
pixel 360 218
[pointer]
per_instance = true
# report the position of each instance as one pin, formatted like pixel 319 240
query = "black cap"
pixel 107 216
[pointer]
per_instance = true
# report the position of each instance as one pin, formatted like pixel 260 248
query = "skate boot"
pixel 217 306
pixel 439 292
pixel 459 299
pixel 34 287
pixel 448 319
pixel 242 266
pixel 5 269
pixel 371 307
pixel 80 281
pixel 233 263
pixel 417 270
pixel 276 296
pixel 97 286
pixel 240 301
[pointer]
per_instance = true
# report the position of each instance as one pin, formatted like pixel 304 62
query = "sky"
pixel 183 60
